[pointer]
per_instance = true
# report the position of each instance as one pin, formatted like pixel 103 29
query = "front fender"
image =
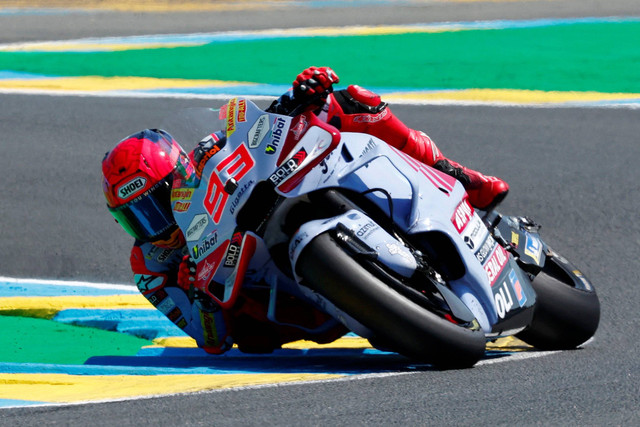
pixel 370 237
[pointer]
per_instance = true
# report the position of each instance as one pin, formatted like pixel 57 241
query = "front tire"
pixel 567 311
pixel 405 326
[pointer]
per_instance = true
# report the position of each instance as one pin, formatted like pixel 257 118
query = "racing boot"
pixel 485 192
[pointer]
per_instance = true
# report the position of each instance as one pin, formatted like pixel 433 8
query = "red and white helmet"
pixel 137 180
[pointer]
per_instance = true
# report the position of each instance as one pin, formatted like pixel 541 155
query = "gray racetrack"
pixel 573 170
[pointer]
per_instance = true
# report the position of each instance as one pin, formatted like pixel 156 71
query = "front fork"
pixel 399 264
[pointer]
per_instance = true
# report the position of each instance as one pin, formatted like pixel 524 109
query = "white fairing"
pixel 424 199
pixel 390 251
pixel 298 156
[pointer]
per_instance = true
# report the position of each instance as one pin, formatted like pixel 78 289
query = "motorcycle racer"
pixel 144 171
pixel 140 176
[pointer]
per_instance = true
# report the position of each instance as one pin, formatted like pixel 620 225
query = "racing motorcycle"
pixel 388 246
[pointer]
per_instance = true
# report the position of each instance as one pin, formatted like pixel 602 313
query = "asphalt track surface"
pixel 572 169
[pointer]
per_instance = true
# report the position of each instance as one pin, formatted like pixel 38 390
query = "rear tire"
pixel 400 323
pixel 565 315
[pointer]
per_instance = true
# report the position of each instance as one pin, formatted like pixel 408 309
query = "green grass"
pixel 30 340
pixel 602 57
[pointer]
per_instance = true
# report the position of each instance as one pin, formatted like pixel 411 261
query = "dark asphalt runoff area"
pixel 574 170
pixel 51 26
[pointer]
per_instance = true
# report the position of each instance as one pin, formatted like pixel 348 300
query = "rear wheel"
pixel 397 319
pixel 567 311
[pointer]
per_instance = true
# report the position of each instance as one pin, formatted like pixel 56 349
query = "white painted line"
pixel 166 95
pixel 20 281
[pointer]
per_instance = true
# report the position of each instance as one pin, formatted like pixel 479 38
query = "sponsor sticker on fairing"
pixel 242 110
pixel 196 228
pixel 509 295
pixel 483 253
pixel 203 154
pixel 517 287
pixel 533 247
pixel 258 131
pixel 503 300
pixel 276 135
pixel 231 116
pixel 474 232
pixel 207 245
pixel 462 215
pixel 181 206
pixel 367 229
pixel 515 239
pixel 242 191
pixel 299 127
pixel 233 251
pixel 290 166
pixel 370 146
pixel 496 263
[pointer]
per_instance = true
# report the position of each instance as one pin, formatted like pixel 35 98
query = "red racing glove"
pixel 314 84
pixel 187 273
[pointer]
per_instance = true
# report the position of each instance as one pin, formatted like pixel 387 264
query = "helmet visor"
pixel 148 217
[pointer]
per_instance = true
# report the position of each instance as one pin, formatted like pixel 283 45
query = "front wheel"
pixel 567 311
pixel 401 323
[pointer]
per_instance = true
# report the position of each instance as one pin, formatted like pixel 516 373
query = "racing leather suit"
pixel 359 110
pixel 215 329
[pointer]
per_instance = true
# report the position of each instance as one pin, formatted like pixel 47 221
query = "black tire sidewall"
pixel 565 317
pixel 394 319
